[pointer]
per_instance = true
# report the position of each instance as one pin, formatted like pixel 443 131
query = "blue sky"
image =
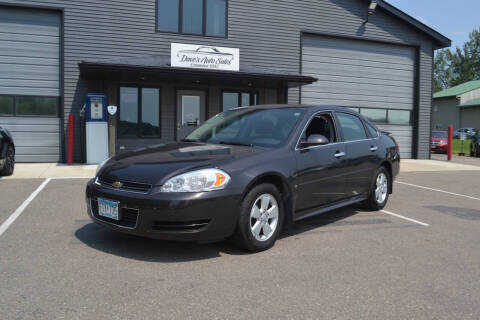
pixel 454 19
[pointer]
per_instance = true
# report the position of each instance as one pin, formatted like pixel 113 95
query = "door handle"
pixel 373 148
pixel 339 154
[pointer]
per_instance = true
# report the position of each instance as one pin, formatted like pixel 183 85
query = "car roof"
pixel 312 107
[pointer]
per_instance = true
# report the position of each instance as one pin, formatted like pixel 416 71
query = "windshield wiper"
pixel 236 143
pixel 190 140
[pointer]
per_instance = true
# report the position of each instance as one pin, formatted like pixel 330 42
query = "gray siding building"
pixel 53 53
pixel 458 106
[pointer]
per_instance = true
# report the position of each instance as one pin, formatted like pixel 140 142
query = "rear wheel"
pixel 9 165
pixel 378 196
pixel 261 219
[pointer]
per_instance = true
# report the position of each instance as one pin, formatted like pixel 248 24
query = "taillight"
pixel 396 145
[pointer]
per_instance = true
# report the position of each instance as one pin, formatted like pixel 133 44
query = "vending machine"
pixel 96 124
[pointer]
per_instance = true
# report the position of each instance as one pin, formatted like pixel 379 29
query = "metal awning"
pixel 158 68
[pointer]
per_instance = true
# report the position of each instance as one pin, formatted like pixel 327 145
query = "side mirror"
pixel 315 140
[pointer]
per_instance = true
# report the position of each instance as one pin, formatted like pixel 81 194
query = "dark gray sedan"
pixel 246 172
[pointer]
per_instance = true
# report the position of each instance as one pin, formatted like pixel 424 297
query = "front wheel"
pixel 9 165
pixel 378 196
pixel 261 219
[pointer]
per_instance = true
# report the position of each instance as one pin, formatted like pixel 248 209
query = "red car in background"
pixel 439 141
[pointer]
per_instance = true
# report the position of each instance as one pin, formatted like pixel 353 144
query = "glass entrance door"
pixel 191 111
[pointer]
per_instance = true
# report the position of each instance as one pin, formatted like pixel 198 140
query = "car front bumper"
pixel 439 147
pixel 203 217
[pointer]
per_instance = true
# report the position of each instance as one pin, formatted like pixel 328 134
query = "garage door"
pixel 377 78
pixel 30 81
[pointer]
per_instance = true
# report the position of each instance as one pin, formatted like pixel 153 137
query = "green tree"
pixel 454 67
pixel 442 72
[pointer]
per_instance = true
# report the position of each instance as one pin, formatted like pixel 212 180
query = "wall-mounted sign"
pixel 205 57
pixel 112 110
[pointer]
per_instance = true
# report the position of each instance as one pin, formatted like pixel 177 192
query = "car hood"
pixel 439 139
pixel 153 164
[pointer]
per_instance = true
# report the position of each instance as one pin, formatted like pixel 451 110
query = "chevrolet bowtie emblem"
pixel 117 184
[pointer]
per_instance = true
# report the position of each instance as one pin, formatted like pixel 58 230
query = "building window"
pixel 401 117
pixel 6 105
pixel 167 15
pixel 387 116
pixel 231 99
pixel 197 17
pixel 29 106
pixel 192 16
pixel 375 115
pixel 216 24
pixel 139 103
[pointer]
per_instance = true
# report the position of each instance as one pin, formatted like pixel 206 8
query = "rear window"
pixel 352 127
pixel 371 130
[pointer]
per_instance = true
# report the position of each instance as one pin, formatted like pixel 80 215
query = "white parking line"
pixel 438 190
pixel 405 218
pixel 20 209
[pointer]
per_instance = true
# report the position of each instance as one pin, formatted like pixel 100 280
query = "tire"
pixel 256 214
pixel 378 197
pixel 9 165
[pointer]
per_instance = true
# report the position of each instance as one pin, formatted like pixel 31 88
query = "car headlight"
pixel 100 166
pixel 197 181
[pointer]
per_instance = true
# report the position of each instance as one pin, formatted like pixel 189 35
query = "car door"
pixel 361 154
pixel 319 179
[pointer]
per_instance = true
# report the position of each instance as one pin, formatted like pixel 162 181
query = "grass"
pixel 457 146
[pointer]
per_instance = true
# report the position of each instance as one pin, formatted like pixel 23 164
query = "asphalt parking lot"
pixel 418 259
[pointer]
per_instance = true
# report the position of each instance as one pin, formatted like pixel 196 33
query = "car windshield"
pixel 439 135
pixel 251 127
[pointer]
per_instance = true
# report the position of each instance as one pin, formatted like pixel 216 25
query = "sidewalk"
pixel 61 170
pixel 51 170
pixel 409 165
pixel 457 159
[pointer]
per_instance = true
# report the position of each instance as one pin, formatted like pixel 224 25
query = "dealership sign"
pixel 205 57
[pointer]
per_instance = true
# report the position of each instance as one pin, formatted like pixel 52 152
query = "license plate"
pixel 108 209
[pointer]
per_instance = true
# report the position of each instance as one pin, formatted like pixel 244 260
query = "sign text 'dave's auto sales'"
pixel 205 57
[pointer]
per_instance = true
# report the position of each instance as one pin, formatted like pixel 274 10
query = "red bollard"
pixel 450 138
pixel 71 127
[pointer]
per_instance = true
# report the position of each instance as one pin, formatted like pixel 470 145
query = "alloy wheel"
pixel 381 189
pixel 264 217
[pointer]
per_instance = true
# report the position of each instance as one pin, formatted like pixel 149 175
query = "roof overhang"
pixel 157 68
pixel 440 40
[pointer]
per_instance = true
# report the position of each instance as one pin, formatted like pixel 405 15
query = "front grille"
pixel 179 225
pixel 128 216
pixel 126 185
